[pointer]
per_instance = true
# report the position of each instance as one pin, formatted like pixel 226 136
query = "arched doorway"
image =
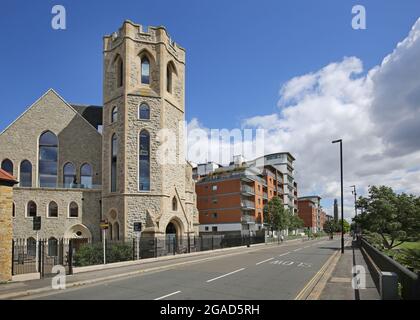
pixel 174 231
pixel 171 229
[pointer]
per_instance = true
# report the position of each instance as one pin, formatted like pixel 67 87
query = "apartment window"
pixel 144 112
pixel 214 229
pixel 69 175
pixel 31 210
pixel 25 179
pixel 48 158
pixel 206 228
pixel 214 215
pixel 145 70
pixel 114 151
pixel 52 210
pixel 214 200
pixel 144 161
pixel 7 166
pixel 73 210
pixel 86 176
pixel 214 188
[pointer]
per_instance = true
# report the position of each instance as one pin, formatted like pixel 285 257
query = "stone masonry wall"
pixel 6 233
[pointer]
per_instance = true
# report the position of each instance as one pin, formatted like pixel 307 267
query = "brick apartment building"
pixel 231 199
pixel 310 211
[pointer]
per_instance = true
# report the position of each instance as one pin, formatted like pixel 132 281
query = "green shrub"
pixel 119 252
pixel 88 255
pixel 410 258
pixel 92 254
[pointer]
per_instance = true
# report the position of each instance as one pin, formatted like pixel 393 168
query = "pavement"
pixel 339 283
pixel 288 271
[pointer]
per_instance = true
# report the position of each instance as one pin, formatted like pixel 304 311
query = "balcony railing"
pixel 247 219
pixel 248 205
pixel 265 195
pixel 248 189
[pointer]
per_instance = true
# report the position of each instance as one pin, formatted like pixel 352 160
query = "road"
pixel 277 272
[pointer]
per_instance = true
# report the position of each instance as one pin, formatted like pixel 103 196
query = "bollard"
pixel 388 286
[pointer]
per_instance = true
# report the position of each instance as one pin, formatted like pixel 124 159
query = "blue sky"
pixel 239 55
pixel 239 52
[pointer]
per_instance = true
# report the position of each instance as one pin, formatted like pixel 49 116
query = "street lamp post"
pixel 355 199
pixel 342 193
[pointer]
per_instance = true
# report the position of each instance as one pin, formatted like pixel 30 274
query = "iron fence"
pixel 32 256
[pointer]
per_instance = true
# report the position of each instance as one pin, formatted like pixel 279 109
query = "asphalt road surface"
pixel 270 273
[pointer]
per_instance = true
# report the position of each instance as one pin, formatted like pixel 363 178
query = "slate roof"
pixel 93 114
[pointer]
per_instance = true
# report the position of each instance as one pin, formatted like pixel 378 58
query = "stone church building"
pixel 80 164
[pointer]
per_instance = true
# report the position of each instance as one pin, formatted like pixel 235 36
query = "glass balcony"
pixel 248 190
pixel 248 205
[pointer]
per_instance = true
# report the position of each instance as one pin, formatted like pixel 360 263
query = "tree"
pixel 330 227
pixel 395 217
pixel 275 215
pixel 346 226
pixel 295 222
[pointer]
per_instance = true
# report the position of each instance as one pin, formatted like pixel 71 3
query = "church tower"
pixel 144 96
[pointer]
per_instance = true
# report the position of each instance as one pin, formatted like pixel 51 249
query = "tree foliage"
pixel 395 217
pixel 275 215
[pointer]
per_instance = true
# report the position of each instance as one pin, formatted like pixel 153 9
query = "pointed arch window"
pixel 114 115
pixel 25 179
pixel 144 112
pixel 52 210
pixel 73 210
pixel 174 204
pixel 120 72
pixel 31 210
pixel 145 70
pixel 7 166
pixel 86 176
pixel 114 155
pixel 169 72
pixel 69 175
pixel 13 210
pixel 116 231
pixel 48 158
pixel 144 161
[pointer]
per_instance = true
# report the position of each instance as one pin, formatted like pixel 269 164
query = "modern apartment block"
pixel 310 211
pixel 284 163
pixel 231 199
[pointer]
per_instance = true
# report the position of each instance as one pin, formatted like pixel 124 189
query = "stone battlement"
pixel 138 32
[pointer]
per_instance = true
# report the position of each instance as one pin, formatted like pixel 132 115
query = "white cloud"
pixel 377 114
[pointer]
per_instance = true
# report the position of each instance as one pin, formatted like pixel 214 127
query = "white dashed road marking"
pixel 225 275
pixel 168 295
pixel 264 261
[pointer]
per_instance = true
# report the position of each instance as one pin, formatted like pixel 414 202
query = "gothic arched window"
pixel 145 70
pixel 25 179
pixel 7 166
pixel 144 112
pixel 48 157
pixel 144 161
pixel 120 72
pixel 69 175
pixel 86 176
pixel 174 204
pixel 52 210
pixel 114 155
pixel 114 114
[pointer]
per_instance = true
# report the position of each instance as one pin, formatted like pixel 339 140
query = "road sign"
pixel 37 223
pixel 104 225
pixel 137 226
